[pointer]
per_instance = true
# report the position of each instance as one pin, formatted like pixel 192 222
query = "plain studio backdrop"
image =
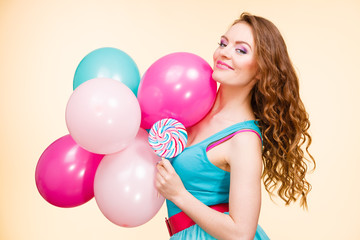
pixel 42 42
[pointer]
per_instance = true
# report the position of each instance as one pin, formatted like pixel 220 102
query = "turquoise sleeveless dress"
pixel 205 181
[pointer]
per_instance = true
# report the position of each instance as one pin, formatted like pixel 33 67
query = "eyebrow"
pixel 237 42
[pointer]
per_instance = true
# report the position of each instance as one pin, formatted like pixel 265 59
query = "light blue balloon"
pixel 108 63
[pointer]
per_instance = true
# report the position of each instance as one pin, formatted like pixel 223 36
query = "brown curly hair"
pixel 281 115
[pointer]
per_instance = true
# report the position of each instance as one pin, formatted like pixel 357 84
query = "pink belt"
pixel 181 221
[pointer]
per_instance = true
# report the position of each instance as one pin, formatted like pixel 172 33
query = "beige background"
pixel 42 42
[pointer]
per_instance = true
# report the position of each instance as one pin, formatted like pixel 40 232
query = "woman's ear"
pixel 258 74
pixel 257 77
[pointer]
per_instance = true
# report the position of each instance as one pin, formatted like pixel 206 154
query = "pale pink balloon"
pixel 124 185
pixel 103 115
pixel 178 86
pixel 65 173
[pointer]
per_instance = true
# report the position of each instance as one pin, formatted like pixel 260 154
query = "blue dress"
pixel 205 181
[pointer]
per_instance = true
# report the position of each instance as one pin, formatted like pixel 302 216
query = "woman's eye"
pixel 221 44
pixel 241 50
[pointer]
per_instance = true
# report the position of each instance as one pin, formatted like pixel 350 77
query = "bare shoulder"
pixel 246 148
pixel 246 140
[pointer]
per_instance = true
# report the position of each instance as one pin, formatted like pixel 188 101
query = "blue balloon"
pixel 108 63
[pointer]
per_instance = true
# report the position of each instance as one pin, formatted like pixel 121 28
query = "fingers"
pixel 167 165
pixel 159 181
pixel 167 181
pixel 161 170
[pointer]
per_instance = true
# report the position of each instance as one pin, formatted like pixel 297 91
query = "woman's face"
pixel 234 61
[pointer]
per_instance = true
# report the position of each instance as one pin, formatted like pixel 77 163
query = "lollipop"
pixel 168 137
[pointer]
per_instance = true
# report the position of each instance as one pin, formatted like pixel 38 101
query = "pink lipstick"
pixel 222 65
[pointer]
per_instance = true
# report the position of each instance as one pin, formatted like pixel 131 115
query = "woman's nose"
pixel 225 51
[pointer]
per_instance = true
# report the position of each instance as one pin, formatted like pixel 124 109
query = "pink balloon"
pixel 124 184
pixel 65 173
pixel 103 115
pixel 179 86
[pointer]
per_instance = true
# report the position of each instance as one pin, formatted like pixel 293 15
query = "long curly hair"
pixel 281 114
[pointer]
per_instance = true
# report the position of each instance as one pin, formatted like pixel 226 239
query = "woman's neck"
pixel 232 104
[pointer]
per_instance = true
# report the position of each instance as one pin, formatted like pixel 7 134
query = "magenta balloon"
pixel 179 86
pixel 124 184
pixel 103 115
pixel 65 173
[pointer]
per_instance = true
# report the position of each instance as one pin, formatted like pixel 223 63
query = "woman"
pixel 254 131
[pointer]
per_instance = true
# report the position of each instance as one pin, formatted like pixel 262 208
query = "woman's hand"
pixel 168 182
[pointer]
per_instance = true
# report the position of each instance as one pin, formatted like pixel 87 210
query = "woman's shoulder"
pixel 245 142
pixel 245 151
pixel 247 138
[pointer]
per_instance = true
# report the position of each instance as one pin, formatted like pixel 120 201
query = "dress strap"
pixel 216 143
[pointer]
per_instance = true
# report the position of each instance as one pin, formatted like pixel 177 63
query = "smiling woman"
pixel 250 126
pixel 43 41
pixel 235 54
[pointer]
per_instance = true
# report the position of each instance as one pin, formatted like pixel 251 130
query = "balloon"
pixel 124 184
pixel 65 173
pixel 108 63
pixel 103 116
pixel 178 86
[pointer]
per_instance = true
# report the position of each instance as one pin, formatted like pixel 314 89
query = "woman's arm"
pixel 245 192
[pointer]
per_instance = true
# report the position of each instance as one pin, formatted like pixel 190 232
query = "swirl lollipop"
pixel 168 137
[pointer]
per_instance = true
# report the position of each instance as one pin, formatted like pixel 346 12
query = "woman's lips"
pixel 222 65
